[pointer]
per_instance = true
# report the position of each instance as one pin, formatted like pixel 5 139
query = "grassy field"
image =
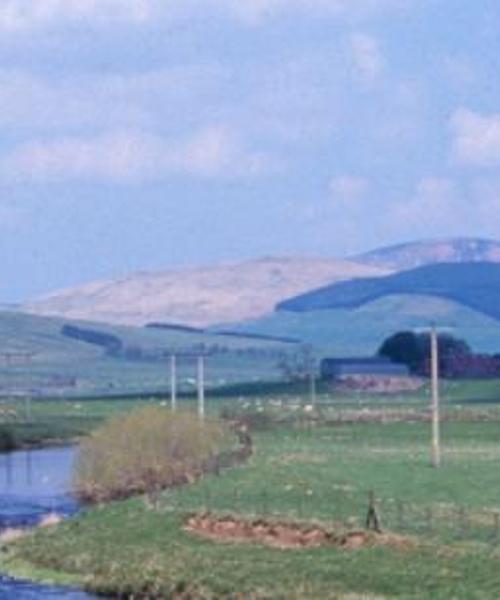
pixel 304 472
pixel 37 359
pixel 35 421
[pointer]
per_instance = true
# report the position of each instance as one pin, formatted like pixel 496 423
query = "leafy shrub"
pixel 144 451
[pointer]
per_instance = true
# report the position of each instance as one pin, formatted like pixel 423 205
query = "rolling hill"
pixel 353 305
pixel 198 297
pixel 474 285
pixel 354 317
pixel 54 356
pixel 403 257
pixel 360 330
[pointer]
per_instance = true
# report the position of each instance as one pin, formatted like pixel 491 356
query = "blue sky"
pixel 147 134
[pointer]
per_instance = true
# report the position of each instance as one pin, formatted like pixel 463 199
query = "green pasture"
pixel 312 473
pixel 33 420
pixel 37 359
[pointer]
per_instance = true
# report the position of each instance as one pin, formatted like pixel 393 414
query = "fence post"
pixel 372 517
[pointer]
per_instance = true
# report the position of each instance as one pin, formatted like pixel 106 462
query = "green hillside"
pixel 36 358
pixel 361 330
pixel 475 285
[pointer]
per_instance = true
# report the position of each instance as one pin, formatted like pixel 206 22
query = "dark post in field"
pixel 372 517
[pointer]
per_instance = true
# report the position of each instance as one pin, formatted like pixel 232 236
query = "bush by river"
pixel 145 451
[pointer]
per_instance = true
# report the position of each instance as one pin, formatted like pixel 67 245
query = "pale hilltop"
pixel 231 293
pixel 410 255
pixel 202 296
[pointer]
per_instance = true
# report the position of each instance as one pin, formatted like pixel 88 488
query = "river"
pixel 35 483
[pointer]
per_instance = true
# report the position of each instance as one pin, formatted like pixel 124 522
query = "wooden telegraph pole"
pixel 201 386
pixel 173 382
pixel 312 381
pixel 436 449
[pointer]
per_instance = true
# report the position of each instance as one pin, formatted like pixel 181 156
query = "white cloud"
pixel 31 103
pixel 85 102
pixel 485 204
pixel 22 15
pixel 347 191
pixel 367 56
pixel 19 15
pixel 135 157
pixel 476 138
pixel 255 11
pixel 435 205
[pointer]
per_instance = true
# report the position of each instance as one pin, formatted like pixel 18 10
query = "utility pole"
pixel 312 381
pixel 201 386
pixel 436 450
pixel 173 382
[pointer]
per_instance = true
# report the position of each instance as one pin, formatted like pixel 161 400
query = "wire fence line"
pixel 445 523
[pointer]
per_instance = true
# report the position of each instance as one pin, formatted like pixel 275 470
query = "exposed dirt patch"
pixel 287 535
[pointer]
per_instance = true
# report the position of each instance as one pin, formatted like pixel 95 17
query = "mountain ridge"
pixel 409 255
pixel 198 296
pixel 241 291
pixel 475 285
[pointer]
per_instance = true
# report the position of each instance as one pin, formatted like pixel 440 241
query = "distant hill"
pixel 233 293
pixel 475 285
pixel 49 355
pixel 415 254
pixel 199 297
pixel 360 331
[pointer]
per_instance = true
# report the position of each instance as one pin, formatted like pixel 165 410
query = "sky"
pixel 152 134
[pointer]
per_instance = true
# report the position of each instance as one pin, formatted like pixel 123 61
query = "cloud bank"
pixel 476 138
pixel 136 157
pixel 25 15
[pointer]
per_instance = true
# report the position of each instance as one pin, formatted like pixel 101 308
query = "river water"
pixel 35 483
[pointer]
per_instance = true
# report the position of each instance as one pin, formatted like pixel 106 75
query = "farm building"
pixel 338 369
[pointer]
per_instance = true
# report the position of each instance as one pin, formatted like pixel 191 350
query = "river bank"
pixel 43 433
pixel 34 490
pixel 133 548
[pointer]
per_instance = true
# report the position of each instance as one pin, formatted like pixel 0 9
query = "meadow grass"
pixel 315 474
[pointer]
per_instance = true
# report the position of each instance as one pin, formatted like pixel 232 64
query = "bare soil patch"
pixel 288 535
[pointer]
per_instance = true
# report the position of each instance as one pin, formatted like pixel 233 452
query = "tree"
pixel 299 365
pixel 404 348
pixel 414 349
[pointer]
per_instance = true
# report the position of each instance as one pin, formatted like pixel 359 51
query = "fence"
pixel 443 523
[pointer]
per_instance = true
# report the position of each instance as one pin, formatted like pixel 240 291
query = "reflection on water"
pixel 34 483
pixel 11 589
